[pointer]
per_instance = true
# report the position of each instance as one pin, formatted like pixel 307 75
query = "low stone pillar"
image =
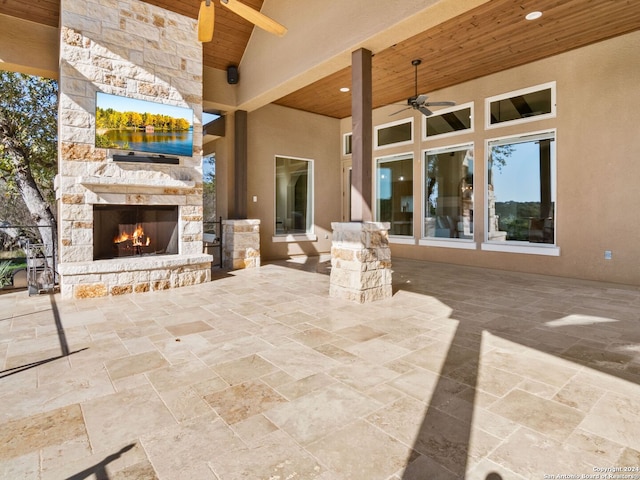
pixel 360 261
pixel 240 244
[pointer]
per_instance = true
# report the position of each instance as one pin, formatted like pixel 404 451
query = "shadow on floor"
pixel 444 440
pixel 62 339
pixel 99 470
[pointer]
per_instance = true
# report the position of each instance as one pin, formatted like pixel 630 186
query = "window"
pixel 394 134
pixel 394 193
pixel 294 196
pixel 449 121
pixel 521 201
pixel 346 144
pixel 525 105
pixel 449 192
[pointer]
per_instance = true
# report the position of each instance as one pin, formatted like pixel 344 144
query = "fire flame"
pixel 137 238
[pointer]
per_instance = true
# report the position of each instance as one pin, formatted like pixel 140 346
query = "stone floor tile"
pixel 118 419
pixel 185 403
pixel 234 349
pixel 134 364
pixel 532 455
pixel 30 434
pixel 182 451
pixel 378 351
pixel 275 456
pixel 376 456
pixel 243 369
pixel 298 361
pixel 360 333
pixel 187 328
pixel 545 416
pixel 113 463
pixel 362 375
pixel 616 418
pixel 298 388
pixel 24 467
pixel 312 337
pixel 305 422
pixel 242 401
pixel 182 374
pixel 253 429
pixel 430 432
pixel 578 395
pixel 629 458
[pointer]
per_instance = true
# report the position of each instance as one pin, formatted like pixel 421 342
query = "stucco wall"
pixel 275 130
pixel 598 148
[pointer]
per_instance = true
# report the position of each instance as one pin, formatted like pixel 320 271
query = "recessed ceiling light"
pixel 533 15
pixel 344 89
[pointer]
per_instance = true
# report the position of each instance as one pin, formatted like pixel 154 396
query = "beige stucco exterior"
pixel 597 152
pixel 598 148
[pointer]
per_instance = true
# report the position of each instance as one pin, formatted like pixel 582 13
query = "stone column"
pixel 240 244
pixel 360 261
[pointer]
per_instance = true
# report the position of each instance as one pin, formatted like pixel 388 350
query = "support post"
pixel 240 179
pixel 362 136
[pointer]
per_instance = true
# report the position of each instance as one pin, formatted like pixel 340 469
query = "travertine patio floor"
pixel 464 373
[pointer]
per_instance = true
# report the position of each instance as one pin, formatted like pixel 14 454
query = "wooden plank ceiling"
pixel 488 39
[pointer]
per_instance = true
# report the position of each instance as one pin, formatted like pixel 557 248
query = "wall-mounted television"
pixel 143 126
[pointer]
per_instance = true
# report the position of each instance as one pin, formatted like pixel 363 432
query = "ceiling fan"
pixel 419 102
pixel 206 18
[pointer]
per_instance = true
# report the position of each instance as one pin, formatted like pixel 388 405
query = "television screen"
pixel 139 125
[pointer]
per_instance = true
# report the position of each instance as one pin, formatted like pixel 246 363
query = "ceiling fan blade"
pixel 425 110
pixel 421 99
pixel 401 110
pixel 440 104
pixel 206 17
pixel 255 17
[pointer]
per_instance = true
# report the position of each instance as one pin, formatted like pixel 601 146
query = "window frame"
pixel 461 243
pixel 344 144
pixel 377 128
pixel 295 237
pixel 470 105
pixel 523 91
pixel 515 246
pixel 409 155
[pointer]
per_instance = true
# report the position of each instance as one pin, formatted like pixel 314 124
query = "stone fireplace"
pixel 127 226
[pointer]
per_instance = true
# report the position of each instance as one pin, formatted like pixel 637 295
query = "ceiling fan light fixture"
pixel 533 15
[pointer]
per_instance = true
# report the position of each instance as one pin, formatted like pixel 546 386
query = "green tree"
pixel 209 188
pixel 28 146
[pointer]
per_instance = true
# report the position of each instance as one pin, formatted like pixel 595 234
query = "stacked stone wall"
pixel 360 262
pixel 241 244
pixel 137 50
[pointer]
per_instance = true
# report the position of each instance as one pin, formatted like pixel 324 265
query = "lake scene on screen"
pixel 138 125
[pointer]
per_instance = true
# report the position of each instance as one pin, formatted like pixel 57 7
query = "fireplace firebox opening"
pixel 134 230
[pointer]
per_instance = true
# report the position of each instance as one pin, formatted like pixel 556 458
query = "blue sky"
pixel 126 104
pixel 519 180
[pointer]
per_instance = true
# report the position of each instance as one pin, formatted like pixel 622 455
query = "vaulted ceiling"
pixel 488 39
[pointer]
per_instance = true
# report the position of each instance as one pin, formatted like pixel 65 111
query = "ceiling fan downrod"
pixel 415 63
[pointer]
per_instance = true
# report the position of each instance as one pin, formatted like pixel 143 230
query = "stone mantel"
pixel 110 184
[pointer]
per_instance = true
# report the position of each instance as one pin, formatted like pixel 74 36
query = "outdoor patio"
pixel 465 373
